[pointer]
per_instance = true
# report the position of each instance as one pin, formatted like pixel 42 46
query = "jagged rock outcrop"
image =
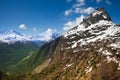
pixel 99 14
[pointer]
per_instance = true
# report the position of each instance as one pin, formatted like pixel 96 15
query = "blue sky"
pixel 37 16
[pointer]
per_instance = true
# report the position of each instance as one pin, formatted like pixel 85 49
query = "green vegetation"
pixel 27 65
pixel 10 54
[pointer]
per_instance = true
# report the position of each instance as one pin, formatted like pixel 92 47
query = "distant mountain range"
pixel 14 36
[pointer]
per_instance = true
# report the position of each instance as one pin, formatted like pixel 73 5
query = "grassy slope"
pixel 11 54
pixel 30 63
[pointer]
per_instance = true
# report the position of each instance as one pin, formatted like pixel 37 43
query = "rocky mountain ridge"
pixel 89 51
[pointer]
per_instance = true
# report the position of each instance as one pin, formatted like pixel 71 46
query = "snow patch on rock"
pixel 74 45
pixel 68 65
pixel 89 69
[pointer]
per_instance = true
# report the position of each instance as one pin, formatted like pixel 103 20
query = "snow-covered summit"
pixel 96 16
pixel 14 36
pixel 96 27
pixel 101 14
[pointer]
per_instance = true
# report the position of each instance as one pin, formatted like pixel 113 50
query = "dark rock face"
pixel 99 14
pixel 104 12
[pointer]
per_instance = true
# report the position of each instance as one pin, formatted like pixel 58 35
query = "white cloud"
pixel 98 1
pixel 79 3
pixel 69 0
pixel 34 29
pixel 68 12
pixel 73 23
pixel 68 26
pixel 80 10
pixel 84 10
pixel 22 26
pixel 108 2
pixel 47 35
pixel 54 30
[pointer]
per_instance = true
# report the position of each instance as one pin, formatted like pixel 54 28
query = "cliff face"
pixel 89 51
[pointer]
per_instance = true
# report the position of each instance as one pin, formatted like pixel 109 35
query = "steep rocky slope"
pixel 89 51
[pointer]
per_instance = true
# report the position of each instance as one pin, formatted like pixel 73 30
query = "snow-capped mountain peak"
pixel 96 16
pixel 13 32
pixel 14 36
pixel 101 14
pixel 96 27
